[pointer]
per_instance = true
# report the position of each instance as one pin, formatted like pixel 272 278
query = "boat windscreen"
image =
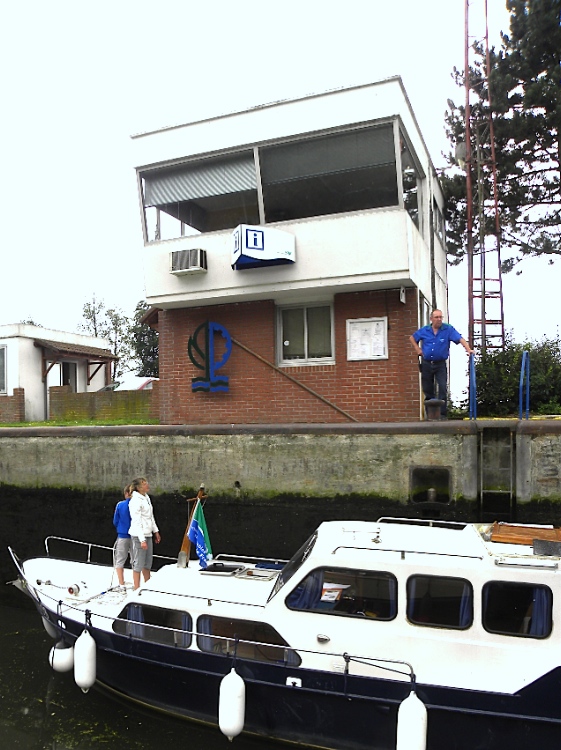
pixel 293 564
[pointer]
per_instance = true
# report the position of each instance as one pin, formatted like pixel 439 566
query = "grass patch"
pixel 80 422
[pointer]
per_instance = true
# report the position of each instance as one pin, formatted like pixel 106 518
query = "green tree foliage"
pixel 112 324
pixel 144 342
pixel 525 89
pixel 498 378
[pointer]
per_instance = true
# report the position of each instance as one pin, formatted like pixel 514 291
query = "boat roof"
pixel 468 540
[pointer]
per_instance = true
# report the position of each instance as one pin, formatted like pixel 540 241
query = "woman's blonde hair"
pixel 135 484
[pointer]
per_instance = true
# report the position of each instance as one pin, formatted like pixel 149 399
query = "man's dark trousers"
pixel 431 373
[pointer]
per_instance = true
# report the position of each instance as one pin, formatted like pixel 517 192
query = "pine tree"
pixel 525 87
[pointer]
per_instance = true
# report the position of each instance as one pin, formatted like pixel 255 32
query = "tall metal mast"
pixel 485 287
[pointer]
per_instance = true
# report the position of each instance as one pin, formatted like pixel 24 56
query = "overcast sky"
pixel 79 79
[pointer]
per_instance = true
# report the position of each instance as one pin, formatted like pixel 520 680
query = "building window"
pixel 201 196
pixel 438 221
pixel 3 369
pixel 354 593
pixel 520 609
pixel 247 639
pixel 441 602
pixel 305 334
pixel 331 174
pixel 410 182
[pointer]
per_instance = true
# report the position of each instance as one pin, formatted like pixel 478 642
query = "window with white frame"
pixel 305 334
pixel 2 369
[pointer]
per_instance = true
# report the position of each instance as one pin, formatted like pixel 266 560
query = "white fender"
pixel 49 627
pixel 84 661
pixel 61 657
pixel 412 724
pixel 231 705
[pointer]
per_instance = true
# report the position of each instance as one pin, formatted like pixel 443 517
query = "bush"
pixel 498 378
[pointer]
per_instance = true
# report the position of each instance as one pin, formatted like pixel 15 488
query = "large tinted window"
pixel 517 609
pixel 437 601
pixel 247 639
pixel 329 174
pixel 294 563
pixel 168 626
pixel 359 593
pixel 202 196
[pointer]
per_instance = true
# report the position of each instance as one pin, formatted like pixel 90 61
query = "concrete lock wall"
pixel 396 462
pixel 383 461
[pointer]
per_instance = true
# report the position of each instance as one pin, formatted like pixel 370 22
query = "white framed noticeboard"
pixel 367 338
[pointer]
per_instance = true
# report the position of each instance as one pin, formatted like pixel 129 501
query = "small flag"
pixel 198 534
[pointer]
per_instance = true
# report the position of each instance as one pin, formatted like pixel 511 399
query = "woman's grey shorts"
pixel 141 558
pixel 121 551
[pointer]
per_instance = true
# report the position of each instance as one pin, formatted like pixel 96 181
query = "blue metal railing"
pixel 472 388
pixel 524 371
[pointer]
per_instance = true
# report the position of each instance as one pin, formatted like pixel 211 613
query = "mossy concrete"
pixel 237 462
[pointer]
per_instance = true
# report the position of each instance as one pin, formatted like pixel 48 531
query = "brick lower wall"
pixel 368 391
pixel 102 405
pixel 12 408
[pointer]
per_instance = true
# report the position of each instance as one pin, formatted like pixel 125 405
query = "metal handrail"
pixel 472 388
pixel 90 546
pixel 524 371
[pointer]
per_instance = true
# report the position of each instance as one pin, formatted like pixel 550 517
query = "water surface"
pixel 44 710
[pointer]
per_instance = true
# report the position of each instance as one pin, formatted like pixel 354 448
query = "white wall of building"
pixel 24 364
pixel 337 253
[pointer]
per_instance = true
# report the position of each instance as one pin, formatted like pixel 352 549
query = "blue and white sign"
pixel 257 247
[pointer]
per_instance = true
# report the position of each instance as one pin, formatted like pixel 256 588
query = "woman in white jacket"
pixel 143 526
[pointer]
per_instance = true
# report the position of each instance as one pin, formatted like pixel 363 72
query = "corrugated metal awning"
pixel 231 175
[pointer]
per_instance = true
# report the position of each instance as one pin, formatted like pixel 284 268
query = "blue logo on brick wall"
pixel 202 352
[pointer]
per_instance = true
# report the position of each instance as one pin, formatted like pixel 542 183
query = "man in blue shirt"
pixel 432 343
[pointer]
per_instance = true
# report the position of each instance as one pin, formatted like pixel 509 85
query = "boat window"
pixel 171 627
pixel 340 591
pixel 247 639
pixel 293 564
pixel 441 602
pixel 520 609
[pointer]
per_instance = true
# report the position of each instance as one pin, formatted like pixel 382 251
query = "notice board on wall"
pixel 367 338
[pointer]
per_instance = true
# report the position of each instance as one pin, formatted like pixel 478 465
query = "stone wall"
pixel 399 462
pixel 368 461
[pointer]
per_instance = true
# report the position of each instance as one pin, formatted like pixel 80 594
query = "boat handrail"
pixel 436 523
pixel 403 551
pixel 16 561
pixel 372 661
pixel 90 546
pixel 248 558
pixel 145 590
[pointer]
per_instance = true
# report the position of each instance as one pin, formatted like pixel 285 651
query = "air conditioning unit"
pixel 188 261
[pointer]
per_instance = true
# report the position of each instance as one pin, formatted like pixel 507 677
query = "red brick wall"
pixel 370 391
pixel 12 408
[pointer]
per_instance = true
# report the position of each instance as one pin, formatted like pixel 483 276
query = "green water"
pixel 44 710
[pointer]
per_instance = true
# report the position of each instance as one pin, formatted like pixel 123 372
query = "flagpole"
pixel 185 550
